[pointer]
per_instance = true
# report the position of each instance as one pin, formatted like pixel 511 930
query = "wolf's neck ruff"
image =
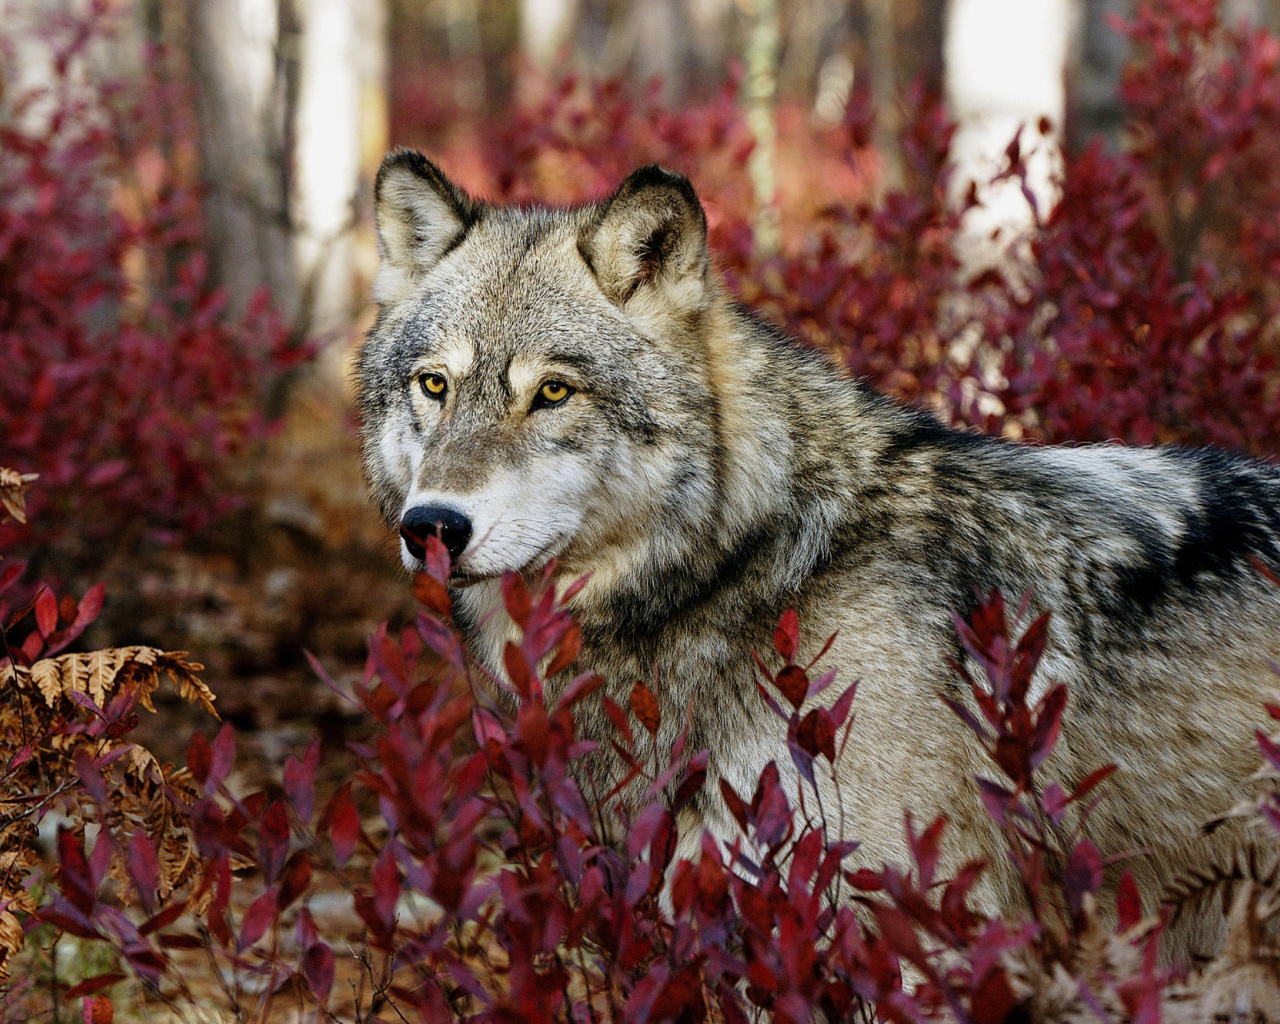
pixel 575 384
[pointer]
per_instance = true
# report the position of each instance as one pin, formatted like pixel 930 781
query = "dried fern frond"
pixel 1243 982
pixel 12 486
pixel 1246 863
pixel 102 674
pixel 37 705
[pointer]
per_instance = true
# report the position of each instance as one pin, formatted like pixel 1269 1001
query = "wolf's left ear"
pixel 420 215
pixel 649 241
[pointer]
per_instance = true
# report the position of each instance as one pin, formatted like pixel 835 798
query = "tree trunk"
pixel 1005 72
pixel 545 27
pixel 280 99
pixel 1094 110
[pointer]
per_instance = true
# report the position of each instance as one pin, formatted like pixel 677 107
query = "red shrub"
pixel 127 386
pixel 488 808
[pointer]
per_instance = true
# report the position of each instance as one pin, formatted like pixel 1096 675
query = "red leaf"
pixel 644 705
pixel 618 717
pixel 1055 802
pixel 294 880
pixel 518 670
pixel 1093 779
pixel 327 679
pixel 437 561
pixel 1027 656
pixel 164 918
pixel 695 776
pixel 94 984
pixel 816 735
pixel 344 824
pixel 515 596
pixel 182 942
pixel 258 918
pixel 1082 875
pixel 786 638
pixel 840 709
pixel 9 573
pixel 96 1009
pixel 581 687
pixel 572 590
pixel 224 756
pixel 317 968
pixel 770 808
pixel 1011 755
pixel 89 607
pixel 570 648
pixel 273 839
pixel 924 848
pixel 794 684
pixel 305 933
pixel 993 1000
pixel 144 869
pixel 46 612
pixel 19 613
pixel 431 593
pixel 199 757
pixel 737 806
pixel 443 640
pixel 488 728
pixel 1048 724
pixel 299 781
pixel 1128 902
pixel 386 887
pixel 1270 750
pixel 105 473
pixel 532 733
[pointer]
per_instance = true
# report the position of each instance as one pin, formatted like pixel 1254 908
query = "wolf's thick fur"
pixel 709 473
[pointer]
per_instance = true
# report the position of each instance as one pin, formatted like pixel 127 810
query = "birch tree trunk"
pixel 545 27
pixel 280 90
pixel 1005 70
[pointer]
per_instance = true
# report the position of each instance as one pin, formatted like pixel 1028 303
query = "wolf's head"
pixel 537 384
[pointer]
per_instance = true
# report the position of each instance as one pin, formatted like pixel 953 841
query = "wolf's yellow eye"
pixel 433 385
pixel 553 392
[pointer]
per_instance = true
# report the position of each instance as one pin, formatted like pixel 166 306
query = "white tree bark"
pixel 280 93
pixel 1005 70
pixel 545 27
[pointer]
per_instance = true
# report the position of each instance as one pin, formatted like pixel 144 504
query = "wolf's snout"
pixel 450 525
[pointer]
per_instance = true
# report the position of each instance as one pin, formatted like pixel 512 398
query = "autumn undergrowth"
pixel 481 870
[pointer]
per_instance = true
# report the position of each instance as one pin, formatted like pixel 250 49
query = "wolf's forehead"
pixel 511 286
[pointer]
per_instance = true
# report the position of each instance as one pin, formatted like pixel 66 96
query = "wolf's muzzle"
pixel 450 525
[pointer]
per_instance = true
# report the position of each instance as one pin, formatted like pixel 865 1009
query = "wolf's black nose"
pixel 450 525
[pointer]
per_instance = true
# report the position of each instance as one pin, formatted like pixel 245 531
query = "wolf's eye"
pixel 433 385
pixel 553 392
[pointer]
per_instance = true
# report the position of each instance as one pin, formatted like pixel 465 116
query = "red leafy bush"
pixel 496 882
pixel 127 386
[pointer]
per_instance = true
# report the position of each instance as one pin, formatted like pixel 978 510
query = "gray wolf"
pixel 575 384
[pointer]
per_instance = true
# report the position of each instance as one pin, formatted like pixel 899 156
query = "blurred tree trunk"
pixel 1005 71
pixel 282 97
pixel 1098 55
pixel 761 87
pixel 545 27
pixel 882 56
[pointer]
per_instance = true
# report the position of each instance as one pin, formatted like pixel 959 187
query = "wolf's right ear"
pixel 420 214
pixel 648 244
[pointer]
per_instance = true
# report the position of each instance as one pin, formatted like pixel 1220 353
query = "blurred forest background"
pixel 186 244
